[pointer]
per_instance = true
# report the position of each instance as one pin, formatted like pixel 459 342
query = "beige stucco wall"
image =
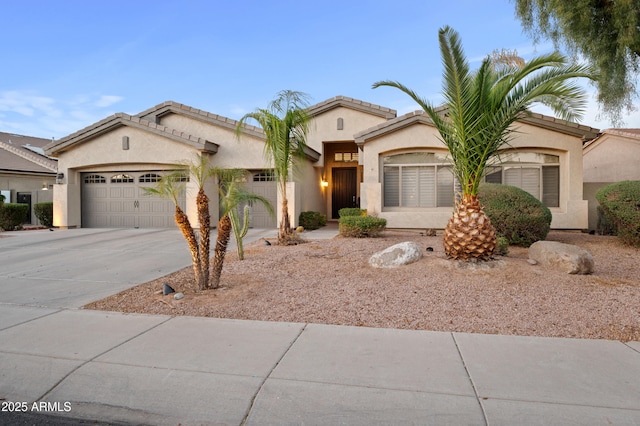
pixel 247 152
pixel 609 159
pixel 572 213
pixel 612 158
pixel 324 126
pixel 147 151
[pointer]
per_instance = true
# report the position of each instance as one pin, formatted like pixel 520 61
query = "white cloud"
pixel 30 113
pixel 107 100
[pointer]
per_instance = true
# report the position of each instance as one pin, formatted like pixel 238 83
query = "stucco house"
pixel 27 175
pixel 611 157
pixel 360 154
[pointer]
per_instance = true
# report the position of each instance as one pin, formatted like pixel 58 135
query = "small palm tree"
pixel 481 108
pixel 285 123
pixel 170 187
pixel 232 195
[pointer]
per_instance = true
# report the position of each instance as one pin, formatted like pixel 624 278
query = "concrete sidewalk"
pixel 157 370
pixel 160 370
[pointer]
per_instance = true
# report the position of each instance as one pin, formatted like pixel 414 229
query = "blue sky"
pixel 70 63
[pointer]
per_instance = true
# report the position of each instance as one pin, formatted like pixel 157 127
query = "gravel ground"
pixel 330 282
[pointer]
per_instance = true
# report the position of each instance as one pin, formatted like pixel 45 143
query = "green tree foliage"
pixel 477 121
pixel 603 32
pixel 621 202
pixel 285 123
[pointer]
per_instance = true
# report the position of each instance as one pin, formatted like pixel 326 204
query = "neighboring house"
pixel 359 154
pixel 27 175
pixel 611 157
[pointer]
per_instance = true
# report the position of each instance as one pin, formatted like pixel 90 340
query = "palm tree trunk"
pixel 202 202
pixel 469 233
pixel 224 233
pixel 185 227
pixel 285 224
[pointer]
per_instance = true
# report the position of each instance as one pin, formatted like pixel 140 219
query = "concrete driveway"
pixel 70 268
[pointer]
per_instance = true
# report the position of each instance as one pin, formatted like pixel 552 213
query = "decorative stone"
pixel 178 296
pixel 532 262
pixel 397 255
pixel 565 257
pixel 167 289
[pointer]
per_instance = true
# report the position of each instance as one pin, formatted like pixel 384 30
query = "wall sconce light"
pixel 324 183
pixel 45 187
pixel 60 178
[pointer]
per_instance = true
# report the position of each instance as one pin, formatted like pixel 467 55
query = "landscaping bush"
pixel 605 225
pixel 517 215
pixel 12 216
pixel 621 202
pixel 502 246
pixel 351 211
pixel 361 226
pixel 312 220
pixel 44 213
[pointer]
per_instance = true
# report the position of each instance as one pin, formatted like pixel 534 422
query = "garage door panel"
pixel 259 216
pixel 124 204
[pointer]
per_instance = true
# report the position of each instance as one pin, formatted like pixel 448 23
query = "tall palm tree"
pixel 481 108
pixel 232 195
pixel 285 123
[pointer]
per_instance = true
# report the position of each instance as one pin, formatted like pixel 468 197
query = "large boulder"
pixel 566 257
pixel 397 255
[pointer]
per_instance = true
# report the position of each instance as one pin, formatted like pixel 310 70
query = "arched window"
pixel 122 178
pixel 94 179
pixel 149 177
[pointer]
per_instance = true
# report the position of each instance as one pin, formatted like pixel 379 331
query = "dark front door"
pixel 25 198
pixel 344 189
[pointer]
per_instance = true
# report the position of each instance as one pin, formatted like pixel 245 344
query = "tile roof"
pixel 169 107
pixel 22 154
pixel 534 119
pixel 392 125
pixel 343 101
pixel 626 133
pixel 121 119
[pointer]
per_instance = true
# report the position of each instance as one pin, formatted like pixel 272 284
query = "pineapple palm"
pixel 476 123
pixel 285 123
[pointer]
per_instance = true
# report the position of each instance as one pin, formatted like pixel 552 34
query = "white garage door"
pixel 118 200
pixel 263 184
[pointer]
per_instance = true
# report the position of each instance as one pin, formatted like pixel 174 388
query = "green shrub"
pixel 361 226
pixel 312 220
pixel 517 215
pixel 605 225
pixel 12 216
pixel 44 213
pixel 502 246
pixel 621 202
pixel 351 211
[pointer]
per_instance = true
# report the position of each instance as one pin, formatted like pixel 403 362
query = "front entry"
pixel 344 191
